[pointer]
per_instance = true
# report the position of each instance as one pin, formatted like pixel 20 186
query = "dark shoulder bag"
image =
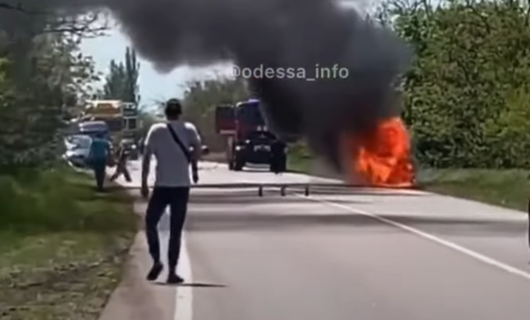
pixel 186 152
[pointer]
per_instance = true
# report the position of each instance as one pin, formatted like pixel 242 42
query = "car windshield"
pixel 80 141
pixel 250 114
pixel 261 137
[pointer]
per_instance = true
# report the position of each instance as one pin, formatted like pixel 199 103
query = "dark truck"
pixel 247 138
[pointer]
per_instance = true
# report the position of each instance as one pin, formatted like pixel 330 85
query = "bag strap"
pixel 179 142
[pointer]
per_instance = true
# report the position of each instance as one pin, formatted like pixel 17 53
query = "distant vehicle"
pixel 77 149
pixel 92 128
pixel 248 138
pixel 122 118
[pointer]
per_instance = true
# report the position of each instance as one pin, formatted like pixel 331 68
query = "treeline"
pixel 467 95
pixel 121 81
pixel 42 73
pixel 200 100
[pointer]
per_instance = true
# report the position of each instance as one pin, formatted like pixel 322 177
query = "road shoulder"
pixel 62 245
pixel 135 298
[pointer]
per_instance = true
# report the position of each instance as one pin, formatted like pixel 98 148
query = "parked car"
pixel 77 149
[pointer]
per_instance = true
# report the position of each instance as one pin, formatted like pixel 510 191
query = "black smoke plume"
pixel 278 34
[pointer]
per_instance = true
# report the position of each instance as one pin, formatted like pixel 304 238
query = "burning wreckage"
pixel 354 123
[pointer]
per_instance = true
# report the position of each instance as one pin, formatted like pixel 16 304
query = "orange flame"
pixel 382 157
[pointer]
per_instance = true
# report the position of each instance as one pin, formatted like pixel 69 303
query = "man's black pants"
pixel 177 199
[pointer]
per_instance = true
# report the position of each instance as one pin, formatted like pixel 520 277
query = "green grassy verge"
pixel 299 164
pixel 62 246
pixel 506 188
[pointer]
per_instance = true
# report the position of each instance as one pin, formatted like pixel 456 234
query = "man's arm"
pixel 148 152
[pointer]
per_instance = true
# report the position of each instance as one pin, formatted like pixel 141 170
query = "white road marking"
pixel 448 244
pixel 184 294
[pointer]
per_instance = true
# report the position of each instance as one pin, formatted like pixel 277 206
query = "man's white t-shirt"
pixel 172 167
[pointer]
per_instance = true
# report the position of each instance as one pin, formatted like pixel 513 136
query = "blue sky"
pixel 156 87
pixel 153 86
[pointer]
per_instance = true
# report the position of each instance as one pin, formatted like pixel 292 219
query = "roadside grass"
pixel 505 188
pixel 301 164
pixel 62 246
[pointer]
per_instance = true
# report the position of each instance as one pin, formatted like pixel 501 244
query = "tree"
pixel 114 87
pixel 200 100
pixel 467 92
pixel 122 79
pixel 43 73
pixel 132 72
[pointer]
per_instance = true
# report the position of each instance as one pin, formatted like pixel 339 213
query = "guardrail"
pixel 307 187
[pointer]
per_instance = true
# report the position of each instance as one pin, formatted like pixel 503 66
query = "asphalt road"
pixel 342 255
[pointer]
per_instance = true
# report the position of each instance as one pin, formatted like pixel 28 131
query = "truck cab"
pixel 248 140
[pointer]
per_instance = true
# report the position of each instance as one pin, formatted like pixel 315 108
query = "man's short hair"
pixel 173 108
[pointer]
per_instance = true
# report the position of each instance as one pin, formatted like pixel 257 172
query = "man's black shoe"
pixel 173 278
pixel 155 271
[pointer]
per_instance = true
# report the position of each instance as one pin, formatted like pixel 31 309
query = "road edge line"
pixel 184 294
pixel 448 244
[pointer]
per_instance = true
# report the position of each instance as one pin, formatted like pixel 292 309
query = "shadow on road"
pixel 222 221
pixel 254 199
pixel 192 284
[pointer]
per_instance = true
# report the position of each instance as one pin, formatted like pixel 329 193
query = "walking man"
pixel 98 156
pixel 121 166
pixel 170 143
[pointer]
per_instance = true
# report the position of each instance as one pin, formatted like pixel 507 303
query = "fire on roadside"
pixel 381 158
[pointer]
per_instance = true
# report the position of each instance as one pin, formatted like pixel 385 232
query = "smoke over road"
pixel 278 33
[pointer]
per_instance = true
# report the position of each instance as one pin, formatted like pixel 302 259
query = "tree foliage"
pixel 42 74
pixel 200 100
pixel 122 80
pixel 468 91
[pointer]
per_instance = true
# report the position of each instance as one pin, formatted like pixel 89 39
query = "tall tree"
pixel 114 82
pixel 132 72
pixel 122 79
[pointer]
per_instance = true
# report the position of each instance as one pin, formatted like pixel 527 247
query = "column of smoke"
pixel 278 33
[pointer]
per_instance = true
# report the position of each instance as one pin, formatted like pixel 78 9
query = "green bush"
pixel 58 200
pixel 466 96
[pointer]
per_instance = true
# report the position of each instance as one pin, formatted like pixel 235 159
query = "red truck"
pixel 247 138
